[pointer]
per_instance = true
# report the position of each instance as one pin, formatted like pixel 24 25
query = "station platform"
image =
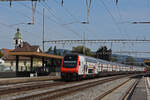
pixel 142 90
pixel 5 81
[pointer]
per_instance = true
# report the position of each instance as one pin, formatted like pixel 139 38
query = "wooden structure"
pixel 147 62
pixel 32 55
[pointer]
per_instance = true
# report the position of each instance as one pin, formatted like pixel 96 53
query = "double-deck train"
pixel 76 67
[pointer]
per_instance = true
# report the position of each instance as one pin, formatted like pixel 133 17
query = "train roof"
pixel 102 61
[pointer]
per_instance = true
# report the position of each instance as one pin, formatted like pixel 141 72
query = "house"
pixel 24 62
pixel 20 46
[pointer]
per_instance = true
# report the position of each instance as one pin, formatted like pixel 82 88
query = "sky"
pixel 106 21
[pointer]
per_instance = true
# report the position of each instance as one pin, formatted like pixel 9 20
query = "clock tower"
pixel 18 39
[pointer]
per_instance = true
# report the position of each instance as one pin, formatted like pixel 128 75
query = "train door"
pixel 99 67
pixel 82 69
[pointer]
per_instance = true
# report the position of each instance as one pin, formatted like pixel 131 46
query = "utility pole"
pixel 84 43
pixel 111 51
pixel 43 28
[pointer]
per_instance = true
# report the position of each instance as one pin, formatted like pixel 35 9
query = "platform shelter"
pixel 147 62
pixel 44 69
pixel 48 62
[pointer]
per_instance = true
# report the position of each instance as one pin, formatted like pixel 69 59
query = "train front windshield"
pixel 70 61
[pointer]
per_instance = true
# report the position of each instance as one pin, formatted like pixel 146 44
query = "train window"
pixel 79 63
pixel 70 58
pixel 91 60
pixel 90 70
pixel 70 61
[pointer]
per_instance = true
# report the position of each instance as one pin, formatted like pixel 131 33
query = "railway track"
pixel 11 81
pixel 14 88
pixel 127 93
pixel 130 90
pixel 27 86
pixel 54 94
pixel 17 88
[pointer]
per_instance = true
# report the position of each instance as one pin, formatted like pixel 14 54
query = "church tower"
pixel 18 39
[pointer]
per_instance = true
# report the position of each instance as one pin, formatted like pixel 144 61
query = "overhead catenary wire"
pixel 51 11
pixel 112 17
pixel 70 14
pixel 76 20
pixel 66 27
pixel 25 15
pixel 88 6
pixel 57 16
pixel 14 26
pixel 49 18
pixel 39 13
pixel 34 2
pixel 124 28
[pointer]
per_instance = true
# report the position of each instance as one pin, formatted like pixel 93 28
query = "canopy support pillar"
pixel 17 64
pixel 31 63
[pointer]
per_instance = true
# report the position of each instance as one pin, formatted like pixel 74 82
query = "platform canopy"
pixel 27 50
pixel 147 61
pixel 31 52
pixel 35 54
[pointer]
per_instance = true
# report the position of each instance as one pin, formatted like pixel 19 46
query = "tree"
pixel 55 51
pixel 59 53
pixel 114 59
pixel 49 50
pixel 64 52
pixel 103 53
pixel 82 50
pixel 130 60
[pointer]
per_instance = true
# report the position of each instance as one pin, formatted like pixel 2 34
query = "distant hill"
pixel 122 58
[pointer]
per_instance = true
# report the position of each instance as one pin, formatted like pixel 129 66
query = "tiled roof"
pixel 6 51
pixel 9 57
pixel 27 48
